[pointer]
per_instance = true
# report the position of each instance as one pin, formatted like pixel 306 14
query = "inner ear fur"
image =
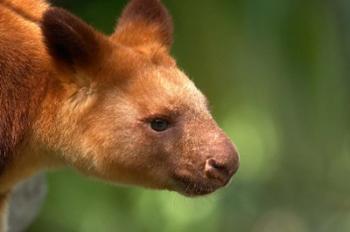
pixel 70 40
pixel 145 23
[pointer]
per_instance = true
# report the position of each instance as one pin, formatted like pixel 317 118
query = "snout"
pixel 214 172
pixel 221 167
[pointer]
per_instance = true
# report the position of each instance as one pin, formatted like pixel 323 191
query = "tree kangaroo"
pixel 115 107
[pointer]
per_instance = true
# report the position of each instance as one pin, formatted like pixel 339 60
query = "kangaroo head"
pixel 128 114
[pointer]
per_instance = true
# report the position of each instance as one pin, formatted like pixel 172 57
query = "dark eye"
pixel 159 124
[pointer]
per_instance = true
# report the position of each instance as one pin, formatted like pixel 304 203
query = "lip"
pixel 191 188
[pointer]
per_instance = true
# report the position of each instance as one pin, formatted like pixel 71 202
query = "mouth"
pixel 191 188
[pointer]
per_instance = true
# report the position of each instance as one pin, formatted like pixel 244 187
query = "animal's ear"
pixel 145 23
pixel 70 40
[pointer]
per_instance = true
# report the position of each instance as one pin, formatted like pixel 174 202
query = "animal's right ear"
pixel 145 23
pixel 70 40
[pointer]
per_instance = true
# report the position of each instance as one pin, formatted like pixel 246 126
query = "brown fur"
pixel 70 40
pixel 147 18
pixel 70 95
pixel 3 212
pixel 31 10
pixel 21 72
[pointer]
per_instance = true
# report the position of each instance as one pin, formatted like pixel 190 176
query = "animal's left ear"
pixel 72 41
pixel 145 24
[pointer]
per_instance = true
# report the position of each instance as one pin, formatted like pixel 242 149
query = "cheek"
pixel 120 148
pixel 119 145
pixel 134 161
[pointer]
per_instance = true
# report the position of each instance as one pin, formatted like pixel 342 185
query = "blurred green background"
pixel 277 73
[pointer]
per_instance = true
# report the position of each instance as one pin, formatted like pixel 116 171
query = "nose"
pixel 222 167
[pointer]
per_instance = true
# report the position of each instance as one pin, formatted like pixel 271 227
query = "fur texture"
pixel 70 95
pixel 148 18
pixel 3 212
pixel 21 71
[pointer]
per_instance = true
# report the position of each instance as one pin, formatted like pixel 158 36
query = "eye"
pixel 159 124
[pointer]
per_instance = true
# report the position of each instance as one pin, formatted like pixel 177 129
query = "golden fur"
pixel 70 95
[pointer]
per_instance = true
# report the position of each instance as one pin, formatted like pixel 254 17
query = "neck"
pixel 25 163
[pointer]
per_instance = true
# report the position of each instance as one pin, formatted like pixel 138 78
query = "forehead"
pixel 156 89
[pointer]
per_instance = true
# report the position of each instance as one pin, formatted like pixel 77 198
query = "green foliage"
pixel 277 75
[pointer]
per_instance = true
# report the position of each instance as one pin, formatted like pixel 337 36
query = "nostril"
pixel 216 170
pixel 224 164
pixel 216 165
